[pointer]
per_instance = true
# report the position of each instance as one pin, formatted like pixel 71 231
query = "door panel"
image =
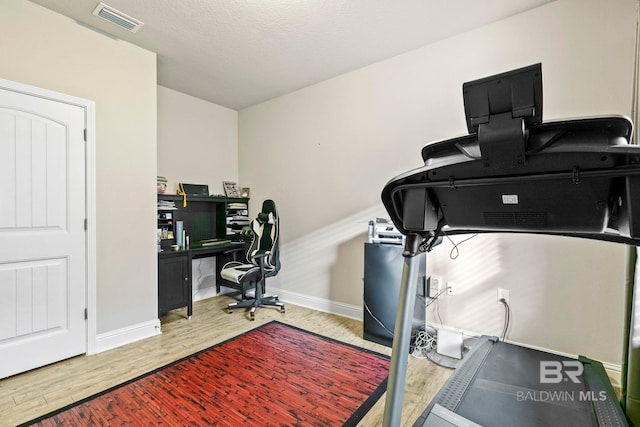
pixel 33 296
pixel 43 253
pixel 33 174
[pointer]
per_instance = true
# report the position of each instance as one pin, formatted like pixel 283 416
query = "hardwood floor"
pixel 26 396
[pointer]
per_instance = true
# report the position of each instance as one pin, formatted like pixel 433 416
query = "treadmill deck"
pixel 500 384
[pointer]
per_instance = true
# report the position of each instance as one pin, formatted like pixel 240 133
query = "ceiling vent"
pixel 117 18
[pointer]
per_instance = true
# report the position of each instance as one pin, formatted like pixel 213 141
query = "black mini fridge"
pixel 382 272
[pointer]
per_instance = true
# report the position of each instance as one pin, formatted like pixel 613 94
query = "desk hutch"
pixel 203 218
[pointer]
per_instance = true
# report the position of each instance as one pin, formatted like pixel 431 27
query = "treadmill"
pixel 499 384
pixel 515 174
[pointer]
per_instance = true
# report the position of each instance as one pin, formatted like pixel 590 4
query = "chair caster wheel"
pixel 253 316
pixel 281 309
pixel 229 311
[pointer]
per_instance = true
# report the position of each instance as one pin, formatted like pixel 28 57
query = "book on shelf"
pixel 239 220
pixel 236 205
pixel 166 205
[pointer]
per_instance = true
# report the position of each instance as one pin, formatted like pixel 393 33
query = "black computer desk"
pixel 175 274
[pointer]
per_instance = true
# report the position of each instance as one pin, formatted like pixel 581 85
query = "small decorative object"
pixel 245 192
pixel 162 184
pixel 231 189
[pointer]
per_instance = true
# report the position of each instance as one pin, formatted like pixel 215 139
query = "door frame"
pixel 90 190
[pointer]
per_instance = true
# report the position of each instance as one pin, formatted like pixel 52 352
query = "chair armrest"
pixel 231 264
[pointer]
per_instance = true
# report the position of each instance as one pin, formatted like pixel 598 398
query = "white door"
pixel 42 232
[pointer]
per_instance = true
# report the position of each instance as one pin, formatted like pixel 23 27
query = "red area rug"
pixel 274 375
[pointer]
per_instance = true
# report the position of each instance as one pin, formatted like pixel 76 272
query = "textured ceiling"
pixel 237 53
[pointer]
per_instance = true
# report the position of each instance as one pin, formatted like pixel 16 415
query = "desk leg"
pixel 189 280
pixel 218 276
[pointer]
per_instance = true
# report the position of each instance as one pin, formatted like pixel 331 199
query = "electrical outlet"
pixel 503 294
pixel 435 286
pixel 451 288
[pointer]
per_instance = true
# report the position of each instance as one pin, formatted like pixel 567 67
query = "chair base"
pixel 253 303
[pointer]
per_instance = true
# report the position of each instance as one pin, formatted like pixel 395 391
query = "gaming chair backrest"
pixel 265 230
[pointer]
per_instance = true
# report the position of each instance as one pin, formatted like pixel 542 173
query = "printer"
pixel 383 231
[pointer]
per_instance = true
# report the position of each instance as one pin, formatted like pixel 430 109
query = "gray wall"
pixel 197 144
pixel 325 152
pixel 197 141
pixel 45 49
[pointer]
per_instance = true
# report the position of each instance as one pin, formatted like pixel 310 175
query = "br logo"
pixel 554 372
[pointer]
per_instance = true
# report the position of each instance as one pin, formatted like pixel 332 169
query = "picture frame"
pixel 245 191
pixel 231 189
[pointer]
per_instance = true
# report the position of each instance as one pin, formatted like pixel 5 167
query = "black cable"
pixel 377 320
pixel 423 341
pixel 438 313
pixel 507 319
pixel 433 299
pixel 374 317
pixel 434 239
pixel 549 142
pixel 504 319
pixel 455 245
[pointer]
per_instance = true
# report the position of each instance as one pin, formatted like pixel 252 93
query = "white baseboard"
pixel 614 372
pixel 317 303
pixel 127 335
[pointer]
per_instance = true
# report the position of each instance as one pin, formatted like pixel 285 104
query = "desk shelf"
pixel 237 217
pixel 203 217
